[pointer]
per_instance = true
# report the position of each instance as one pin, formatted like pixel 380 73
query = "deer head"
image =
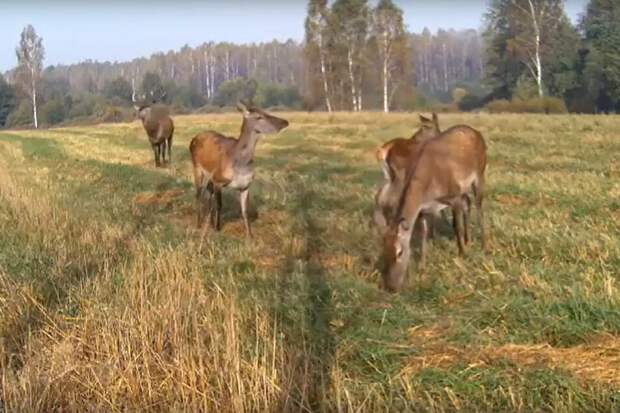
pixel 259 121
pixel 142 108
pixel 397 251
pixel 429 128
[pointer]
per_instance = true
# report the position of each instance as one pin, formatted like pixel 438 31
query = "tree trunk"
pixel 537 59
pixel 386 60
pixel 34 99
pixel 325 85
pixel 352 79
pixel 324 74
pixel 445 68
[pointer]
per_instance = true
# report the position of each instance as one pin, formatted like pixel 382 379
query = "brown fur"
pixel 220 161
pixel 159 128
pixel 396 156
pixel 440 172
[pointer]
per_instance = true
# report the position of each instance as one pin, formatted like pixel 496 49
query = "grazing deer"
pixel 159 128
pixel 219 161
pixel 443 170
pixel 395 157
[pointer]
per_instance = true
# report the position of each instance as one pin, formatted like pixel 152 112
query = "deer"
pixel 441 172
pixel 159 128
pixel 220 161
pixel 395 157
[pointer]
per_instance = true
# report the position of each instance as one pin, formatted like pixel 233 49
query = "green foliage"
pixel 21 116
pixel 269 95
pixel 83 106
pixel 120 88
pixel 533 105
pixel 471 102
pixel 7 100
pixel 152 88
pixel 525 88
pixel 52 112
pixel 458 93
pixel 601 26
pixel 232 91
pixel 510 44
pixel 188 97
pixel 53 86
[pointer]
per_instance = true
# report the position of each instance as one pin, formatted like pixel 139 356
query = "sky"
pixel 117 30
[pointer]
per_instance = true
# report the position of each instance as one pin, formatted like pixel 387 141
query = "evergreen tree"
pixel 7 100
pixel 601 28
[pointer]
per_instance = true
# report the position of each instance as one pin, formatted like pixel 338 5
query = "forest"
pixel 356 56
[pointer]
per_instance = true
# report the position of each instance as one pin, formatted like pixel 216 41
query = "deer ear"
pixel 424 119
pixel 241 107
pixel 436 121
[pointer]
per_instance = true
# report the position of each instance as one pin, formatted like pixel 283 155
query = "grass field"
pixel 110 300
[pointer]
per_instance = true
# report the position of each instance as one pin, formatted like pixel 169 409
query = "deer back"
pixel 448 163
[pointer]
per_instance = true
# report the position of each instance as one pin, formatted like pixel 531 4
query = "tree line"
pixel 534 51
pixel 354 56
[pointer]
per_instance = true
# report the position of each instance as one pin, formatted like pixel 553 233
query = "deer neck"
pixel 410 202
pixel 246 145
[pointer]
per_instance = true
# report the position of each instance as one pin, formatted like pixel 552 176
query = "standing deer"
pixel 159 128
pixel 220 161
pixel 395 157
pixel 442 171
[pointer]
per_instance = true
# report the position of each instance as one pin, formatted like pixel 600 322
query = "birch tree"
pixel 316 29
pixel 350 31
pixel 30 54
pixel 532 21
pixel 389 34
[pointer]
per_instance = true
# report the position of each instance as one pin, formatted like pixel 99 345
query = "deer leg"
pixel 210 190
pixel 243 200
pixel 156 153
pixel 203 202
pixel 423 240
pixel 169 144
pixel 466 212
pixel 431 226
pixel 478 197
pixel 214 216
pixel 457 218
pixel 218 210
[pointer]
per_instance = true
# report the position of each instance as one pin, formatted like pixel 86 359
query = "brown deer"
pixel 220 161
pixel 159 128
pixel 443 170
pixel 395 157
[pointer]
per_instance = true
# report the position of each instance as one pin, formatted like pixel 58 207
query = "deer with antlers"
pixel 159 128
pixel 441 172
pixel 220 161
pixel 395 157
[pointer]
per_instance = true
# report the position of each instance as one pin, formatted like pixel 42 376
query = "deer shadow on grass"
pixel 302 282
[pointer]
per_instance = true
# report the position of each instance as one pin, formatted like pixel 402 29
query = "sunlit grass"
pixel 110 300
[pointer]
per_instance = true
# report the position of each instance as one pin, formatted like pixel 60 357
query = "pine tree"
pixel 601 27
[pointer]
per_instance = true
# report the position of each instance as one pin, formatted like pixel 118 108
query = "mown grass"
pixel 110 300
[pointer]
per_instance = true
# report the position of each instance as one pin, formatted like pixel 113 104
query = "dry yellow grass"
pixel 111 301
